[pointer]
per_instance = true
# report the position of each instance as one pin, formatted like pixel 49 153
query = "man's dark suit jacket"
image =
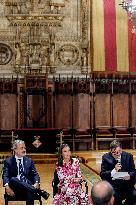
pixel 109 162
pixel 10 170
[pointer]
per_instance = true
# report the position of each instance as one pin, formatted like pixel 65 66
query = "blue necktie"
pixel 21 172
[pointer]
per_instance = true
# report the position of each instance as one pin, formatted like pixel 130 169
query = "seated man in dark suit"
pixel 20 176
pixel 113 162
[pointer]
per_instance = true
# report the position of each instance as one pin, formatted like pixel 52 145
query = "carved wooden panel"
pixel 36 112
pixel 72 111
pixel 8 86
pixel 75 114
pixel 102 110
pixel 21 107
pixel 63 113
pixel 36 81
pixel 50 110
pixel 120 110
pixel 134 110
pixel 82 114
pixel 8 111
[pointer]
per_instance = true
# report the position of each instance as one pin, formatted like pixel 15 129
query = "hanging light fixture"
pixel 130 7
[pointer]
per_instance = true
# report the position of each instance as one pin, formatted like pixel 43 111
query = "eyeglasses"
pixel 116 152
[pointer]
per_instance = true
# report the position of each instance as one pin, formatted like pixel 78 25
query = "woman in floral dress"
pixel 69 175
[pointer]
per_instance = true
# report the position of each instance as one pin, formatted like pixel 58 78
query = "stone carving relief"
pixel 68 54
pixel 84 19
pixel 34 34
pixel 24 53
pixel 56 6
pixel 45 56
pixel 35 54
pixel 17 54
pixel 27 6
pixel 49 35
pixel 52 57
pixel 5 54
pixel 20 56
pixel 17 6
pixel 30 56
pixel 84 60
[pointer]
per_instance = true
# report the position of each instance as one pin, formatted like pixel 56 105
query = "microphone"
pixel 119 160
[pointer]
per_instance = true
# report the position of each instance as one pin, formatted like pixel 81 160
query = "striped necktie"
pixel 21 172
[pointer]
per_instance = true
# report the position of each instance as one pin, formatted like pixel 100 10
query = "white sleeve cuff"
pixel 6 184
pixel 113 172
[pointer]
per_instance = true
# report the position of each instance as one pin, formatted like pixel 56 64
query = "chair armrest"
pixel 86 185
pixel 55 183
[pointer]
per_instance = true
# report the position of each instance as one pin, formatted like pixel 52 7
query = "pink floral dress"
pixel 69 192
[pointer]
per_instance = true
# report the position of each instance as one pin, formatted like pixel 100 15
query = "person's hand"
pixel 77 180
pixel 9 191
pixel 126 178
pixel 36 185
pixel 118 167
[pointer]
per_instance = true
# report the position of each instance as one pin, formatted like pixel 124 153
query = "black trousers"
pixel 23 189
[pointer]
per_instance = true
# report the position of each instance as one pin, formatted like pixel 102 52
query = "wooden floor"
pixel 91 158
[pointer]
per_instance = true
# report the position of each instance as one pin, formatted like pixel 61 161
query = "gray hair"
pixel 16 142
pixel 114 144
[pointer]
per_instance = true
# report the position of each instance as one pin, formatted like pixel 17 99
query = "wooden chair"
pixel 125 135
pixel 55 183
pixel 77 137
pixel 103 134
pixel 19 198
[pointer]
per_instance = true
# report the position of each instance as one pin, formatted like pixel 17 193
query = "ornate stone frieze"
pixel 43 20
pixel 7 38
pixel 62 38
pixel 46 36
pixel 2 1
pixel 28 7
pixel 84 19
pixel 57 2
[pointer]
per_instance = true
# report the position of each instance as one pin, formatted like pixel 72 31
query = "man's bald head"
pixel 102 193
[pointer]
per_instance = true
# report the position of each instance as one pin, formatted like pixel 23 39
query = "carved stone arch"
pixel 19 24
pixel 32 24
pixel 24 24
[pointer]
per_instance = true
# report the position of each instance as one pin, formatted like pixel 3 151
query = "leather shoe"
pixel 44 194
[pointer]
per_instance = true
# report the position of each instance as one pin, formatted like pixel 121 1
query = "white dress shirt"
pixel 17 161
pixel 114 170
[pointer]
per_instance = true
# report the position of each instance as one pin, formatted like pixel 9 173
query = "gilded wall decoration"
pixel 48 36
pixel 84 19
pixel 5 54
pixel 68 54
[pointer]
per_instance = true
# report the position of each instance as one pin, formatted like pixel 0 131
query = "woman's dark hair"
pixel 60 157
